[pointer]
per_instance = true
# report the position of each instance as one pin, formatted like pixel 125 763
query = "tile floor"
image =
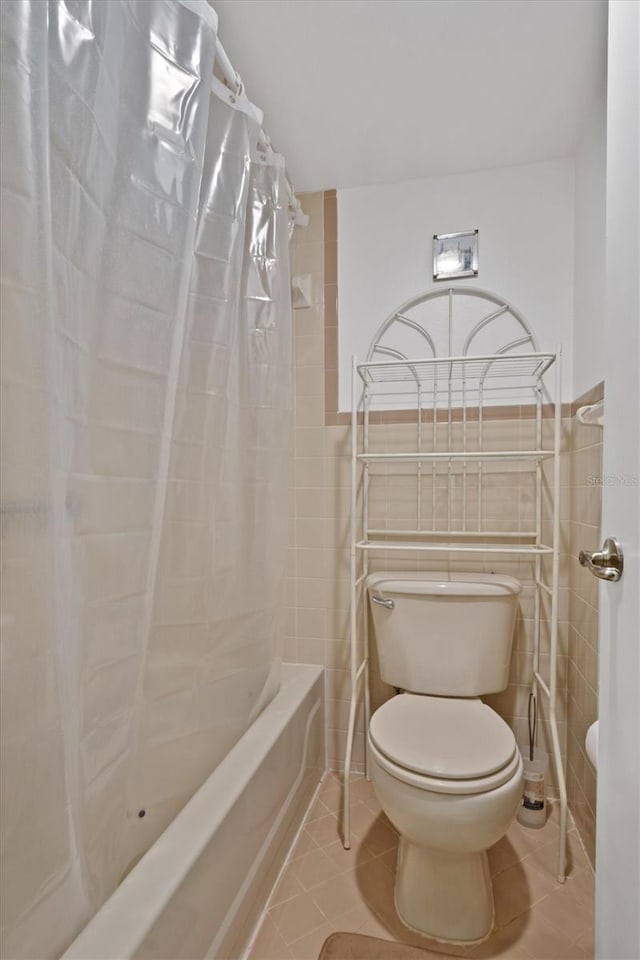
pixel 325 888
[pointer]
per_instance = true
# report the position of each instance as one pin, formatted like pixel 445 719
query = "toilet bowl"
pixel 445 767
pixel 448 775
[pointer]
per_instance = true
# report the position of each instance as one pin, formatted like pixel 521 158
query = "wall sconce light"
pixel 455 255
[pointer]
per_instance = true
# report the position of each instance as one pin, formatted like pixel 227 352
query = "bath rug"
pixel 355 946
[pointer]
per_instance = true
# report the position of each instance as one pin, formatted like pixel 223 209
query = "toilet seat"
pixel 443 744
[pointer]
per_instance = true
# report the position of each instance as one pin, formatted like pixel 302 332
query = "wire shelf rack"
pixel 446 403
pixel 473 373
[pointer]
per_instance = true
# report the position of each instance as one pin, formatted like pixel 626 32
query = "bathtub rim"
pixel 146 891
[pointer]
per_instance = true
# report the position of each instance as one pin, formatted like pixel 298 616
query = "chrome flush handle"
pixel 389 604
pixel 606 564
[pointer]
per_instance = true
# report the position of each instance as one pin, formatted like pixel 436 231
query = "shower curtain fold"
pixel 221 566
pixel 146 402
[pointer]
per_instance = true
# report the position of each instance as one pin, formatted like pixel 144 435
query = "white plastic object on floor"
pixel 591 743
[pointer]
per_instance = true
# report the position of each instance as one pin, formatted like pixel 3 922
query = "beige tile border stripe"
pixel 332 417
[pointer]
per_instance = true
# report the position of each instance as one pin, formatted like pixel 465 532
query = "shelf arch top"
pixel 454 327
pixel 486 334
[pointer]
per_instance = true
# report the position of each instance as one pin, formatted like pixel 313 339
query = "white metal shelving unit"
pixel 452 398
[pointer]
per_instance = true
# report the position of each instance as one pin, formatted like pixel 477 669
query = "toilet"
pixel 445 767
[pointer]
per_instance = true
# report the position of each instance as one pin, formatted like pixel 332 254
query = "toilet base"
pixel 446 897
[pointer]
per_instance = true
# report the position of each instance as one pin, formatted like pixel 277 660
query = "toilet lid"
pixel 442 737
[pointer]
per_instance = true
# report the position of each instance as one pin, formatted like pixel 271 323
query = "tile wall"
pixel 582 673
pixel 318 585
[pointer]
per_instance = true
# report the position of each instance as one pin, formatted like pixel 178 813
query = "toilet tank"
pixel 444 634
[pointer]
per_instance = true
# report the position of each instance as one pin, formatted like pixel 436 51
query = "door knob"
pixel 606 564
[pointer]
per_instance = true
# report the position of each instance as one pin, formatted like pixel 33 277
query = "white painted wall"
pixel 589 253
pixel 525 215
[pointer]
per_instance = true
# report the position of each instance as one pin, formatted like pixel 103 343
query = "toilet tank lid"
pixel 444 584
pixel 450 738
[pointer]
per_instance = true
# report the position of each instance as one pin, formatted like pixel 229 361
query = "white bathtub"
pixel 199 891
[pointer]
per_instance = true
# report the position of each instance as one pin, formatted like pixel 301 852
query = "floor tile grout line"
pixel 381 918
pixel 256 930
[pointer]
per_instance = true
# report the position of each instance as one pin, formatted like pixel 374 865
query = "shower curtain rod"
pixel 233 80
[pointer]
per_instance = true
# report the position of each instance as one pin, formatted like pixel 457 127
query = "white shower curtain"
pixel 145 419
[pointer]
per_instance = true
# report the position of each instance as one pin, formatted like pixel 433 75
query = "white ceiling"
pixel 356 92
